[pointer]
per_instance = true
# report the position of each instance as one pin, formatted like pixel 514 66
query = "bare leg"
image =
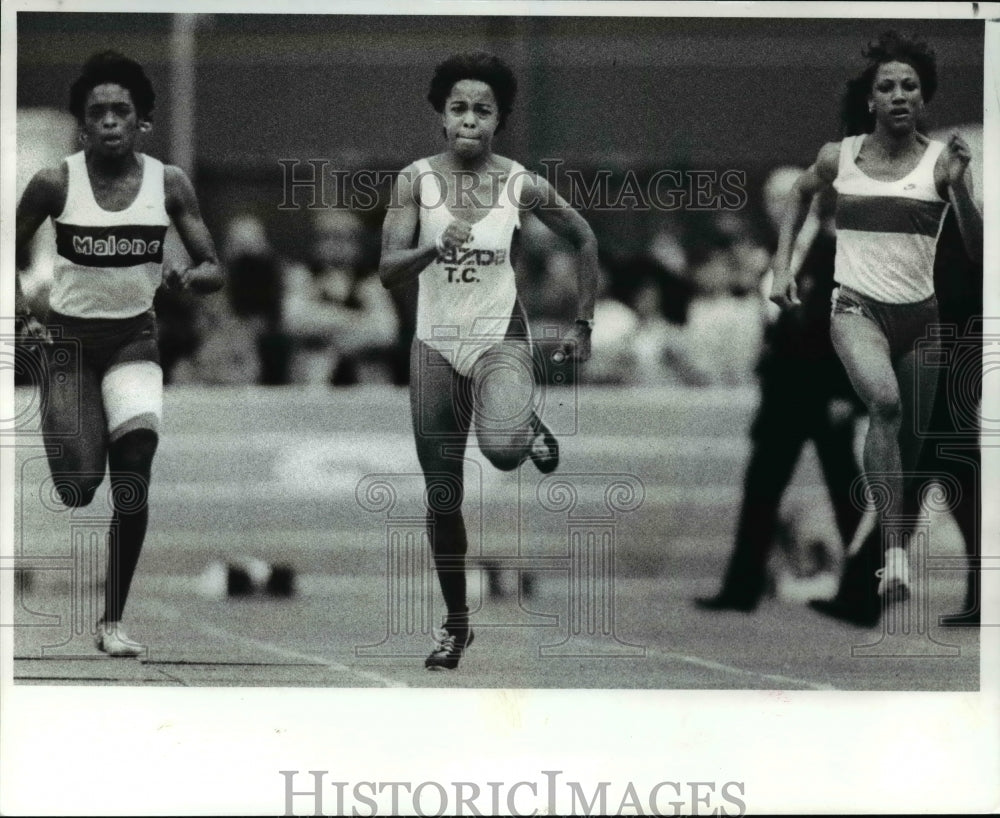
pixel 503 402
pixel 73 425
pixel 864 351
pixel 130 459
pixel 441 426
pixel 917 387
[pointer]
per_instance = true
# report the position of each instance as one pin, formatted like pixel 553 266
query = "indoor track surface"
pixel 596 566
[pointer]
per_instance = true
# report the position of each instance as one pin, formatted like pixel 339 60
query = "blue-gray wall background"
pixel 642 93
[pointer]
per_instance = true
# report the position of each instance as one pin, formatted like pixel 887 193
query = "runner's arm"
pixel 205 275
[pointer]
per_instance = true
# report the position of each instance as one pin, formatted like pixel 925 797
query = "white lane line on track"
pixel 722 667
pixel 784 681
pixel 171 612
pixel 781 681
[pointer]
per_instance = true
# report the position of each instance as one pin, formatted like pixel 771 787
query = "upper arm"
pixel 403 214
pixel 43 198
pixel 820 175
pixel 542 200
pixel 182 207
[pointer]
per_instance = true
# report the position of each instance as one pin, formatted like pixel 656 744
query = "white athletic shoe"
pixel 112 640
pixel 894 578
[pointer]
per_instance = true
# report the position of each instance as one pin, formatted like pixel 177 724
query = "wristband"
pixel 439 243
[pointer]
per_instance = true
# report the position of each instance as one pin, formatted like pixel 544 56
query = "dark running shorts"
pixel 107 342
pixel 901 324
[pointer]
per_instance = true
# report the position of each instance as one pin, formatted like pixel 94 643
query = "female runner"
pixel 893 187
pixel 103 388
pixel 451 226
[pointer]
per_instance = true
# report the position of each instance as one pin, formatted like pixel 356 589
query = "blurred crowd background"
pixel 246 102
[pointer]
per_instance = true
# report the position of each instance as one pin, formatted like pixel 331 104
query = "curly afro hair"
pixel 111 66
pixel 891 46
pixel 476 65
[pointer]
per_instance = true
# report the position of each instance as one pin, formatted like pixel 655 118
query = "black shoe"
pixel 546 455
pixel 448 648
pixel 863 616
pixel 967 619
pixel 724 601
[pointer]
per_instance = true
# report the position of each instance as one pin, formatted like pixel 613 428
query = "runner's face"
pixel 470 118
pixel 897 97
pixel 110 121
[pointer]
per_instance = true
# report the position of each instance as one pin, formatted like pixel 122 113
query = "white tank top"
pixel 887 232
pixel 109 263
pixel 466 296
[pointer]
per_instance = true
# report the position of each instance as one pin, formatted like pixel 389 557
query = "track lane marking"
pixel 170 612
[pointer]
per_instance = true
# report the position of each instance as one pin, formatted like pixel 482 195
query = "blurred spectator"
pixel 235 325
pixel 668 254
pixel 178 322
pixel 255 289
pixel 658 288
pixel 325 322
pixel 226 354
pixel 44 137
pixel 555 301
pixel 612 360
pixel 727 313
pixel 660 348
pixel 342 323
pixel 640 337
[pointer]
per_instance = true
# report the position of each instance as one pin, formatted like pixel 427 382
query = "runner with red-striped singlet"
pixel 893 187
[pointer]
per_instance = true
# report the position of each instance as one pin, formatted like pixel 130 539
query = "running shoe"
pixel 855 613
pixel 448 648
pixel 727 601
pixel 894 578
pixel 112 640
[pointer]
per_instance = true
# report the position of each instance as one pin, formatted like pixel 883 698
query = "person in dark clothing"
pixel 804 391
pixel 255 290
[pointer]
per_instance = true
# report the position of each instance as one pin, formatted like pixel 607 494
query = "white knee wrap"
pixel 133 397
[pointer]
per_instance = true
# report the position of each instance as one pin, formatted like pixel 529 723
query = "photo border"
pixel 219 751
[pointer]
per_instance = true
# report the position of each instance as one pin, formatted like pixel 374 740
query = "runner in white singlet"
pixel 450 227
pixel 101 381
pixel 893 187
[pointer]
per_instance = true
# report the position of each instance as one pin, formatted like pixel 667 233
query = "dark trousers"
pixel 794 408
